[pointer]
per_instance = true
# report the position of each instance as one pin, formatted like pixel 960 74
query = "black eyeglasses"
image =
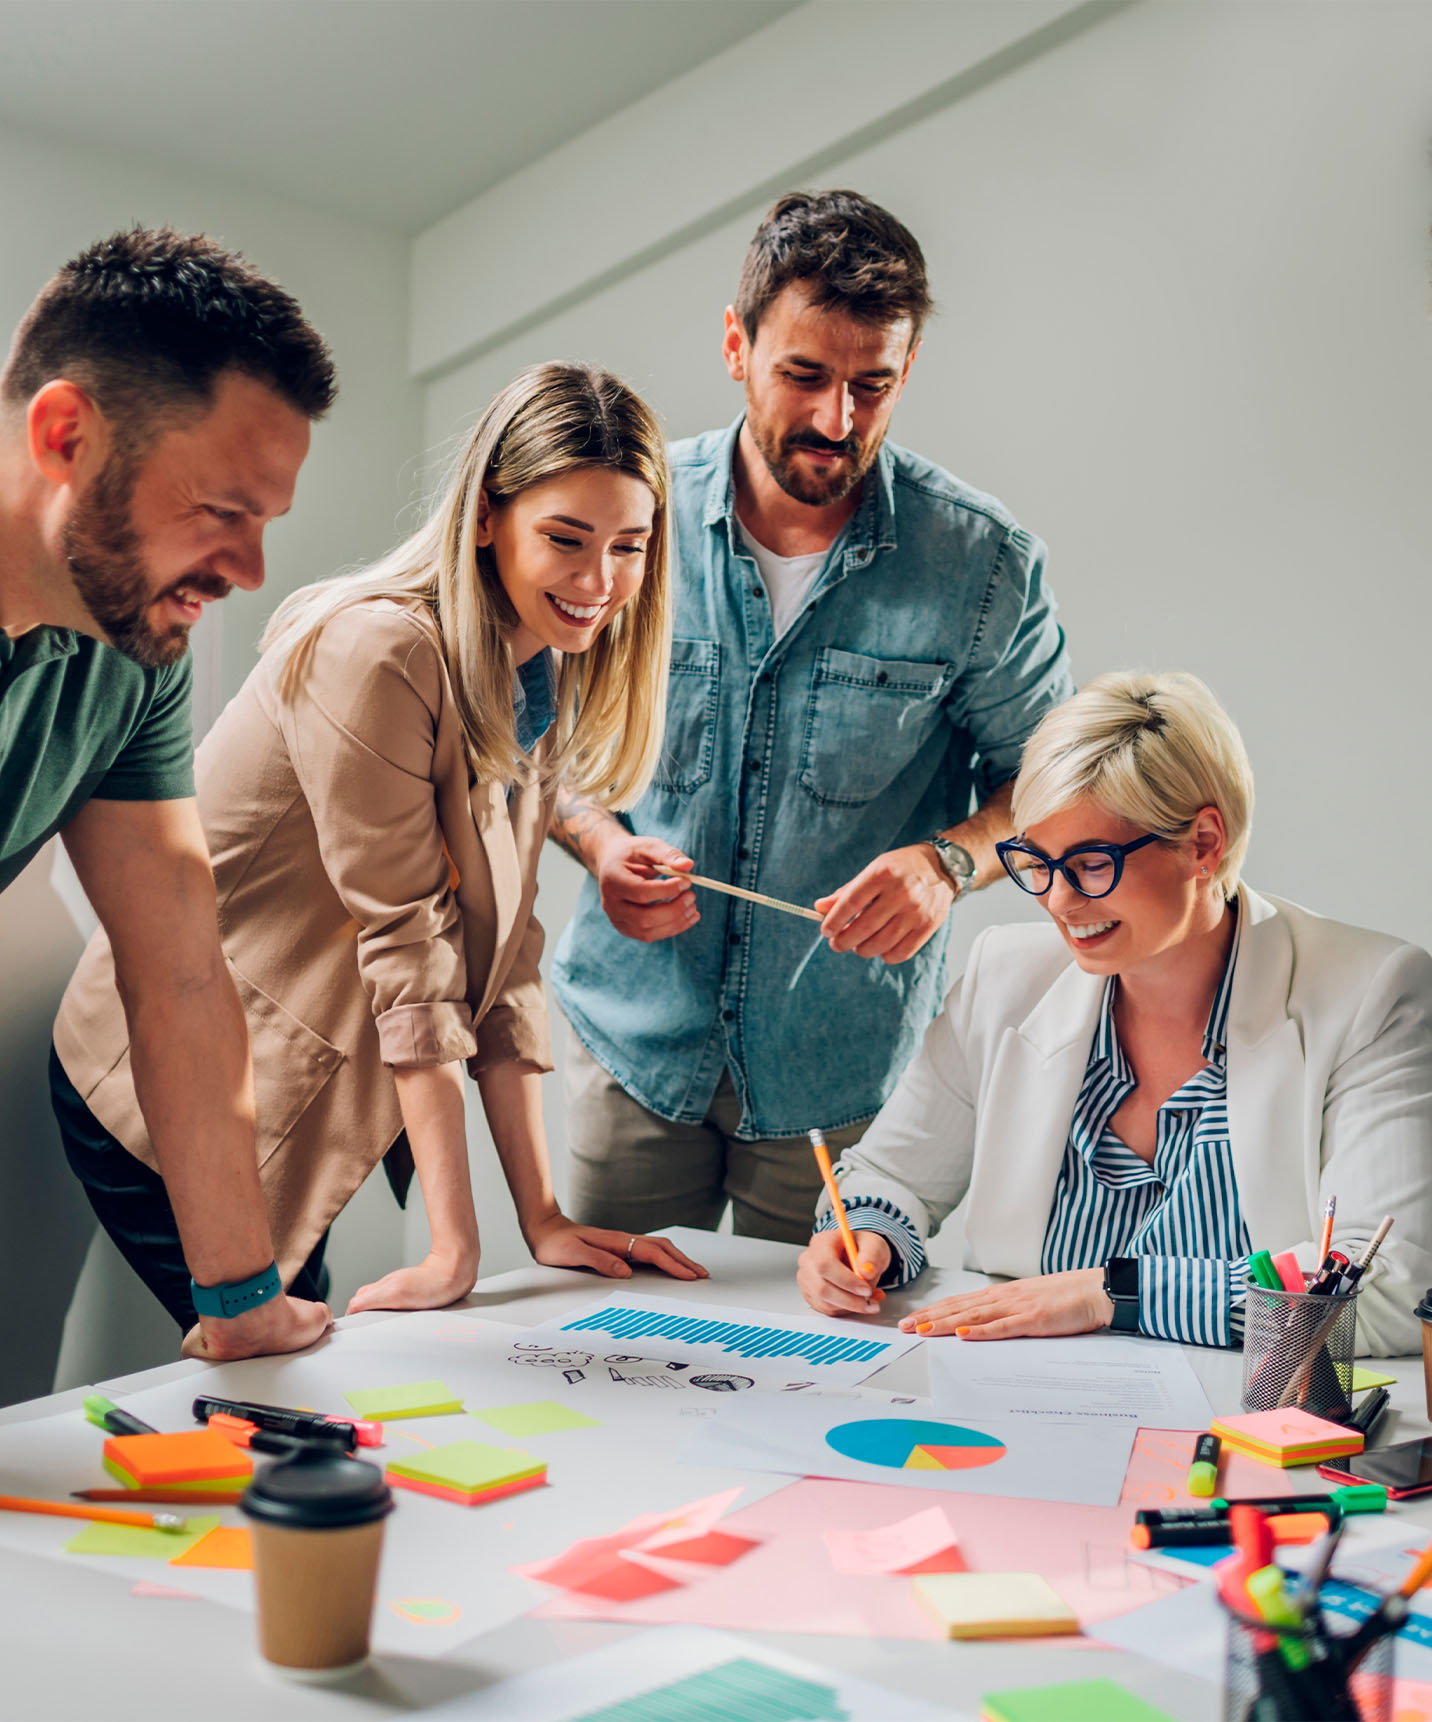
pixel 1093 869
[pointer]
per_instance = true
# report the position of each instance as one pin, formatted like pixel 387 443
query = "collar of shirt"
pixel 35 646
pixel 534 698
pixel 1109 1078
pixel 871 528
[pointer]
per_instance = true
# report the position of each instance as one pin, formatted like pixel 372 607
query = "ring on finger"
pixel 630 1247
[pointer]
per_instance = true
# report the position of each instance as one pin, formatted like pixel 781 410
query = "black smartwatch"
pixel 1121 1287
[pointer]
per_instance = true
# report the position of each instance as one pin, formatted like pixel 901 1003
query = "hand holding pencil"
pixel 838 1273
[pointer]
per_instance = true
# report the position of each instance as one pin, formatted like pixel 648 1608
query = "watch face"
pixel 960 859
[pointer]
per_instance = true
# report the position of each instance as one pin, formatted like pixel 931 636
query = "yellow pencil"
pixel 738 891
pixel 100 1515
pixel 847 1237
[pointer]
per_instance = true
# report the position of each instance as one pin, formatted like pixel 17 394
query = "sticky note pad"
pixel 199 1458
pixel 994 1605
pixel 146 1545
pixel 225 1546
pixel 468 1472
pixel 1073 1701
pixel 408 1399
pixel 1363 1379
pixel 1288 1437
pixel 538 1417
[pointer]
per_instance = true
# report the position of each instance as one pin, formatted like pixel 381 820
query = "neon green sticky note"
pixel 408 1399
pixel 1362 1379
pixel 538 1417
pixel 469 1465
pixel 1075 1701
pixel 146 1545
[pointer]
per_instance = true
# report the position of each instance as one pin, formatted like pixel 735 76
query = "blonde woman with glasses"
pixel 1171 1071
pixel 375 801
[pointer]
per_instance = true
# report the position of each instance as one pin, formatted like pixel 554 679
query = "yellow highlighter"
pixel 1203 1472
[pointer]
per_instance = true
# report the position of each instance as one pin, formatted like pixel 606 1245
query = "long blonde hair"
pixel 551 419
pixel 1149 748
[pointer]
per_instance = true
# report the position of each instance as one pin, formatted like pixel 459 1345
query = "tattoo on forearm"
pixel 574 822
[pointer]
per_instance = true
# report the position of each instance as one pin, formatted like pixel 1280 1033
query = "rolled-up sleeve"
pixel 360 729
pixel 1019 663
pixel 515 1028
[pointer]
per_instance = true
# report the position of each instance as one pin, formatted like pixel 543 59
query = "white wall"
pixel 352 281
pixel 1182 272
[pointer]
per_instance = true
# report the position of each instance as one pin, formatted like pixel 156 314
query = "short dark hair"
pixel 855 256
pixel 146 321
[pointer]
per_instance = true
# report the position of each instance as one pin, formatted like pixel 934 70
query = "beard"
pixel 816 489
pixel 104 555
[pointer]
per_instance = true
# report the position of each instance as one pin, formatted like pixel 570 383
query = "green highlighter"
pixel 1262 1272
pixel 1075 1701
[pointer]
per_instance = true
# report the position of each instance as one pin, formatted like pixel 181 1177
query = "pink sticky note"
pixel 713 1549
pixel 921 1543
pixel 621 1580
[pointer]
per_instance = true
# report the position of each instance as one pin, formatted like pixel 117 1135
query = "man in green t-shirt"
pixel 154 412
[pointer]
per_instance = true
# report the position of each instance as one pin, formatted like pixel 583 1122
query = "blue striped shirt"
pixel 1180 1216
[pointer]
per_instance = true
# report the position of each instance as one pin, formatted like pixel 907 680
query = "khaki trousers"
pixel 637 1172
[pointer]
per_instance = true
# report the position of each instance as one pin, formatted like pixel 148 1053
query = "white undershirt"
pixel 787 579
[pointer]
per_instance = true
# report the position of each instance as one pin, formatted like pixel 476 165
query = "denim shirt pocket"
pixel 866 719
pixel 689 742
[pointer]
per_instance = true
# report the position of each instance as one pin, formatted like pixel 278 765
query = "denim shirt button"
pixel 756 592
pixel 728 1016
pixel 754 764
pixel 882 677
pixel 735 938
pixel 743 853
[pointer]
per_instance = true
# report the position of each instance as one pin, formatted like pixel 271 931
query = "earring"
pixel 1203 869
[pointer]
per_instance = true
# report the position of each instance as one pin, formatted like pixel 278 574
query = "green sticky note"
pixel 538 1417
pixel 1075 1701
pixel 469 1466
pixel 147 1545
pixel 408 1399
pixel 1362 1379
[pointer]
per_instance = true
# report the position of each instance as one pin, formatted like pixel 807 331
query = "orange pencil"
pixel 99 1515
pixel 1419 1574
pixel 847 1237
pixel 1329 1209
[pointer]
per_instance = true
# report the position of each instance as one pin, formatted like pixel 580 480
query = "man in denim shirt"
pixel 862 642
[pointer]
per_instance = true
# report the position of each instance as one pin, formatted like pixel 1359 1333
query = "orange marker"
pixel 1419 1574
pixel 847 1237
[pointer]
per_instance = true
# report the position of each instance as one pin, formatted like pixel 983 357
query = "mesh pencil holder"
pixel 1261 1683
pixel 1299 1350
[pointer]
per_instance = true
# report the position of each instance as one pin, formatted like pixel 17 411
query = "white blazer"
pixel 1329 1092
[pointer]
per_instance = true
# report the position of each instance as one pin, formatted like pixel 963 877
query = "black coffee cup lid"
pixel 1423 1312
pixel 318 1487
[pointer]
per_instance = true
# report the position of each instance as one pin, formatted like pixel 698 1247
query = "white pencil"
pixel 737 891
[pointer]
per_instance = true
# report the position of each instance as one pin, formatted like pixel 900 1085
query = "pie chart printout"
pixel 898 1445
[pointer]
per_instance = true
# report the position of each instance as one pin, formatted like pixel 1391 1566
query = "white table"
pixel 75 1644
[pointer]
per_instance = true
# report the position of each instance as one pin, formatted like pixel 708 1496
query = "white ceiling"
pixel 392 112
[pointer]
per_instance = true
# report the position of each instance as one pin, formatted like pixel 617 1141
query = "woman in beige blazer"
pixel 375 801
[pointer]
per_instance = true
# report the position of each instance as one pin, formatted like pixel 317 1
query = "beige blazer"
pixel 375 909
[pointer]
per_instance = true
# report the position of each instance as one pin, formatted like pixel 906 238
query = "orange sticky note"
pixel 225 1546
pixel 172 1461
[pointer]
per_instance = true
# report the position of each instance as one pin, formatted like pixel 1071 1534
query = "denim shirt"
pixel 926 653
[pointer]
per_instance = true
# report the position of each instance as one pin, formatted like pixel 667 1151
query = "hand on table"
pixel 1044 1306
pixel 890 908
pixel 561 1243
pixel 282 1324
pixel 638 901
pixel 436 1281
pixel 826 1282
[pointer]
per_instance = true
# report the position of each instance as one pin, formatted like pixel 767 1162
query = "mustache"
pixel 810 439
pixel 202 585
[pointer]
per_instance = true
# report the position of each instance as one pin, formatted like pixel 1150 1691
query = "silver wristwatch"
pixel 958 863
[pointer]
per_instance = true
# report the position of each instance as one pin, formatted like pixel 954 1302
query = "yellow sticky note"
pixel 103 1539
pixel 994 1605
pixel 407 1399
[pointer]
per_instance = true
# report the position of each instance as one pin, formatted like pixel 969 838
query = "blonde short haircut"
pixel 1151 749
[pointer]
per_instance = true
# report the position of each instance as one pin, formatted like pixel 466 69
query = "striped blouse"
pixel 1180 1216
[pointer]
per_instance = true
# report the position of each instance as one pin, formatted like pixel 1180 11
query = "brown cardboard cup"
pixel 316 1519
pixel 315 1594
pixel 1427 1352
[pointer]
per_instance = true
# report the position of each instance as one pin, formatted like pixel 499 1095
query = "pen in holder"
pixel 1298 1673
pixel 1298 1350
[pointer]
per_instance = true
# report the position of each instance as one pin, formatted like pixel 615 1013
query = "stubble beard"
pixel 103 551
pixel 810 488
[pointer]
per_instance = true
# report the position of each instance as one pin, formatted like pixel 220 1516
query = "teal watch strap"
pixel 233 1297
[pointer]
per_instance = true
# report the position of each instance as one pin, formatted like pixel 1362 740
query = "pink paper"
pixel 597 1565
pixel 923 1542
pixel 146 1587
pixel 789 1584
pixel 1158 1473
pixel 714 1549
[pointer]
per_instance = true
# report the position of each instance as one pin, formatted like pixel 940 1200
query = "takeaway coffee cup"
pixel 1423 1312
pixel 316 1518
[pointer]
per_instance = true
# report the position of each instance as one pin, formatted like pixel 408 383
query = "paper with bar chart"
pixel 877 1439
pixel 686 1674
pixel 741 1346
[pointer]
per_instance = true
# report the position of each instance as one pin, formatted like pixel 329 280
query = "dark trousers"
pixel 132 1205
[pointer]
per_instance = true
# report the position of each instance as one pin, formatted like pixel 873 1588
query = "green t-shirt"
pixel 80 720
